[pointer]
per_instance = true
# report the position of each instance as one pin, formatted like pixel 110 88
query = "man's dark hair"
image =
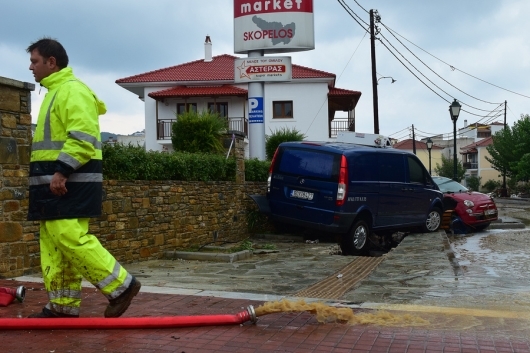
pixel 48 47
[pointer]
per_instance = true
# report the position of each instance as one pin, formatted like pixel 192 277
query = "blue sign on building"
pixel 255 110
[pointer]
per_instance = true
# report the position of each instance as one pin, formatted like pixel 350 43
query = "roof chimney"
pixel 207 49
pixel 465 123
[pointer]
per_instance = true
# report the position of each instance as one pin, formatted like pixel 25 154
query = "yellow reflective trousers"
pixel 69 253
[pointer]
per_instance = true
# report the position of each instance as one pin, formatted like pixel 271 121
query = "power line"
pixel 358 19
pixel 427 66
pixel 512 112
pixel 457 69
pixel 355 51
pixel 360 6
pixel 345 66
pixel 397 132
pixel 352 13
pixel 383 36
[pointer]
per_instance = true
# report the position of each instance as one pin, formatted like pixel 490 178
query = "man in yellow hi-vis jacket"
pixel 65 189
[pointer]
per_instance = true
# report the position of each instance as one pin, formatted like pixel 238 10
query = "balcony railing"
pixel 338 124
pixel 470 165
pixel 239 124
pixel 163 130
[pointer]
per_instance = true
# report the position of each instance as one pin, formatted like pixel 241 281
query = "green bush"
pixel 276 137
pixel 491 185
pixel 122 162
pixel 473 182
pixel 256 170
pixel 193 132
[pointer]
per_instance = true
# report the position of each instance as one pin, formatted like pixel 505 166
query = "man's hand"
pixel 58 184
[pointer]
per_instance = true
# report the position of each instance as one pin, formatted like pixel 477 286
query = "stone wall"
pixel 140 219
pixel 17 236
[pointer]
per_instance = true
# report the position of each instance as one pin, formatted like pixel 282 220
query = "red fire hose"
pixel 88 323
pixel 9 295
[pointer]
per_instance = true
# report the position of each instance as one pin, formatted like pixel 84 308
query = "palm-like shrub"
pixel 198 132
pixel 278 136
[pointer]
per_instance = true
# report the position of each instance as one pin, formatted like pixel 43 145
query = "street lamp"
pixel 454 110
pixel 380 78
pixel 429 146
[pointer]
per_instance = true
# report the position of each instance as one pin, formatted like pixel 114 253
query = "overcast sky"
pixel 487 42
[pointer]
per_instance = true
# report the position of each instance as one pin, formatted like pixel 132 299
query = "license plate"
pixel 302 195
pixel 490 212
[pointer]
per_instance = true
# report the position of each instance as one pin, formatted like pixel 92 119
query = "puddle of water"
pixel 326 314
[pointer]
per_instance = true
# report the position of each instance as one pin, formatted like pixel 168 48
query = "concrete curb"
pixel 505 225
pixel 203 256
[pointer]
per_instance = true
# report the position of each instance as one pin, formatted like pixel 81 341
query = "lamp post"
pixel 429 146
pixel 454 110
pixel 380 78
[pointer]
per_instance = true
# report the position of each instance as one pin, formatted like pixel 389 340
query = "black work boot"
pixel 47 313
pixel 117 306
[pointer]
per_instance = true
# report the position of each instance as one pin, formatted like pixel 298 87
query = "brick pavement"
pixel 283 332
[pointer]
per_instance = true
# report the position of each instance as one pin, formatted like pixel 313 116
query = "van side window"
pixel 309 163
pixel 391 167
pixel 416 171
pixel 362 168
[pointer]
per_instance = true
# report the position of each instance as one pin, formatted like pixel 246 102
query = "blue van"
pixel 350 190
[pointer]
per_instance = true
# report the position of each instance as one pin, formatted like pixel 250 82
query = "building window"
pixel 282 110
pixel 184 107
pixel 221 108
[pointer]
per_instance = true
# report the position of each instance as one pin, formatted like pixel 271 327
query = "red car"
pixel 474 211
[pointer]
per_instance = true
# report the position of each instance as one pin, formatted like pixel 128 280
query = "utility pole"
pixel 374 71
pixel 413 140
pixel 504 191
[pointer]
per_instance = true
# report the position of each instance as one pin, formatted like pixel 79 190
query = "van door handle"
pixel 407 189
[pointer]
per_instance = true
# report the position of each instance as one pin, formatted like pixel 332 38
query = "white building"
pixel 307 103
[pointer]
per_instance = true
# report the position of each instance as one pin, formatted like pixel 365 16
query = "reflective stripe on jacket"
pixel 67 140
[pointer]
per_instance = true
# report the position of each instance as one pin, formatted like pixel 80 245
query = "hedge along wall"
pixel 140 219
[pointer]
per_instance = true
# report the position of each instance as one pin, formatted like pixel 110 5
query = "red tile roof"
pixel 199 91
pixel 472 148
pixel 221 68
pixel 407 145
pixel 339 92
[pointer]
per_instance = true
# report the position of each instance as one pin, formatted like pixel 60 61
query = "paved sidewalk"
pixel 468 308
pixel 280 332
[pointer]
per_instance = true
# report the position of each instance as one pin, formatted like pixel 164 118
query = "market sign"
pixel 276 26
pixel 263 69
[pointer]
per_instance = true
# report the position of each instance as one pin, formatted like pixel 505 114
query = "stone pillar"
pixel 15 149
pixel 238 151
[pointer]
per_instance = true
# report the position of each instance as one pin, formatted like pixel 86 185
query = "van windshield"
pixel 308 163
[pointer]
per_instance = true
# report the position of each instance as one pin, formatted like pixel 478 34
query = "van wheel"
pixel 356 242
pixel 433 221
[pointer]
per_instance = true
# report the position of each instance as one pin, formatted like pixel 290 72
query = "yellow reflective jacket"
pixel 67 140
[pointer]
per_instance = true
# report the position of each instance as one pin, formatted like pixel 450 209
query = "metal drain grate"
pixel 340 282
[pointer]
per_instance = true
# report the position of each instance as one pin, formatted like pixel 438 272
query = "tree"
pixel 510 150
pixel 194 132
pixel 447 169
pixel 278 136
